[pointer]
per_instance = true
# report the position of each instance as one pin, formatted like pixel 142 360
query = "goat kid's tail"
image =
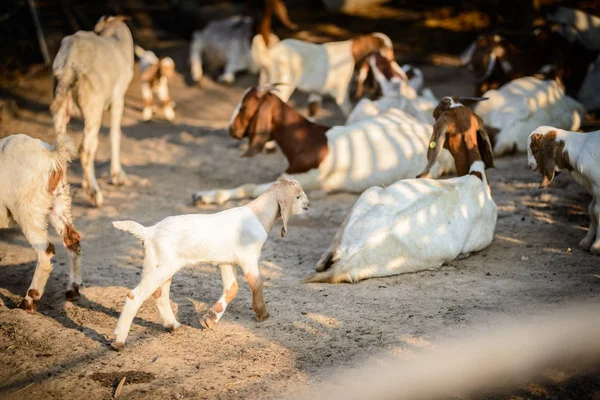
pixel 137 230
pixel 63 150
pixel 64 76
pixel 139 51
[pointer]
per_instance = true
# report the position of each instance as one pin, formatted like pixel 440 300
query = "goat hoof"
pixel 117 346
pixel 97 199
pixel 226 78
pixel 595 249
pixel 119 178
pixel 73 294
pixel 585 244
pixel 174 328
pixel 28 306
pixel 208 321
pixel 262 316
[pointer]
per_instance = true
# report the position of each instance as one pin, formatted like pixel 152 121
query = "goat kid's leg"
pixel 117 175
pixel 60 218
pixel 164 306
pixel 166 103
pixel 196 57
pixel 147 101
pixel 221 196
pixel 255 281
pixel 89 145
pixel 590 237
pixel 33 226
pixel 134 300
pixel 235 63
pixel 230 289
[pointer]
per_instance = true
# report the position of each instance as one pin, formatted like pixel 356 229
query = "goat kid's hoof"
pixel 585 244
pixel 119 179
pixel 208 321
pixel 595 249
pixel 262 316
pixel 73 294
pixel 203 198
pixel 97 199
pixel 28 306
pixel 117 346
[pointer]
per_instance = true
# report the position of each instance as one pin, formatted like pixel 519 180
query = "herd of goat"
pixel 392 150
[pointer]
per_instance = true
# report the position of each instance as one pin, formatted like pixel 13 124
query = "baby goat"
pixel 351 158
pixel 92 71
pixel 230 237
pixel 155 74
pixel 320 69
pixel 33 178
pixel 551 150
pixel 419 224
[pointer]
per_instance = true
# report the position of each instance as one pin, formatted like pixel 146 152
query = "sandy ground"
pixel 62 350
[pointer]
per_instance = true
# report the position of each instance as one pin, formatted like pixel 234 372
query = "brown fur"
pixel 50 250
pixel 157 293
pixel 54 180
pixel 363 45
pixel 73 294
pixel 72 239
pixel 34 294
pixel 549 153
pixel 258 302
pixel 265 116
pixel 27 305
pixel 231 292
pixel 131 295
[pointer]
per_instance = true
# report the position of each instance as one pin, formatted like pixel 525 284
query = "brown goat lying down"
pixel 375 151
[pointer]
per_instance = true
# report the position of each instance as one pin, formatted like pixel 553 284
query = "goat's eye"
pixel 297 197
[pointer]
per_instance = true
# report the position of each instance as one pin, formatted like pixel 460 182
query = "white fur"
pixel 584 155
pixel 26 165
pixel 93 71
pixel 228 43
pixel 397 94
pixel 374 151
pixel 226 238
pixel 524 104
pixel 412 225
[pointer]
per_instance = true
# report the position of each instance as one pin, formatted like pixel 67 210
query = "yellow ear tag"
pixel 432 144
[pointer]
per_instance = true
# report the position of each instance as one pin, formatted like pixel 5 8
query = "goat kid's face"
pixel 546 154
pixel 291 199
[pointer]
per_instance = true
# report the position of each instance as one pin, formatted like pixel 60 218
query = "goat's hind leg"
pixel 60 217
pixel 230 289
pixel 595 248
pixel 590 237
pixel 88 148
pixel 164 307
pixel 117 175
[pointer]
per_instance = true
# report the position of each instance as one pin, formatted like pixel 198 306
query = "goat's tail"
pixel 63 150
pixel 137 230
pixel 139 51
pixel 64 75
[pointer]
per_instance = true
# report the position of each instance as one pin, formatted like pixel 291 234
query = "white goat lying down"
pixel 419 224
pixel 320 69
pixel 230 237
pixel 92 71
pixel 155 75
pixel 397 92
pixel 551 150
pixel 376 151
pixel 33 178
pixel 235 43
pixel 522 105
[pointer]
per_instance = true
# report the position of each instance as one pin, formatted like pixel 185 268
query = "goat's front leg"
pixel 595 248
pixel 89 145
pixel 33 225
pixel 255 281
pixel 147 101
pixel 60 218
pixel 221 196
pixel 134 300
pixel 235 63
pixel 590 237
pixel 164 306
pixel 166 103
pixel 117 175
pixel 230 289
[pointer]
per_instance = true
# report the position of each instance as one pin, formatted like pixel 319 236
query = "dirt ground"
pixel 62 351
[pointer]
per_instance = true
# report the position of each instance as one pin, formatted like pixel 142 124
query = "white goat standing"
pixel 419 224
pixel 230 237
pixel 320 69
pixel 397 92
pixel 522 105
pixel 551 150
pixel 352 158
pixel 33 178
pixel 92 71
pixel 155 75
pixel 237 43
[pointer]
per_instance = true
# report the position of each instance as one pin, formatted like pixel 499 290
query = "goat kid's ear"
pixel 484 144
pixel 436 145
pixel 285 210
pixel 547 180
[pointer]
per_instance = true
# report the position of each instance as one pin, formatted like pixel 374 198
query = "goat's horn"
pixel 472 99
pixel 489 69
pixel 467 55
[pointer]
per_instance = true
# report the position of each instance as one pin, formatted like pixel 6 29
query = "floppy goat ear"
pixel 285 202
pixel 547 163
pixel 436 144
pixel 469 101
pixel 484 144
pixel 363 72
pixel 259 129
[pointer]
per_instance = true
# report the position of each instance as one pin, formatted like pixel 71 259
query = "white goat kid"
pixel 155 75
pixel 396 92
pixel 419 224
pixel 230 237
pixel 33 178
pixel 551 150
pixel 522 105
pixel 320 69
pixel 92 71
pixel 352 158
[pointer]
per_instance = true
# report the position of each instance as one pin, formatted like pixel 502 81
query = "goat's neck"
pixel 266 209
pixel 124 39
pixel 573 141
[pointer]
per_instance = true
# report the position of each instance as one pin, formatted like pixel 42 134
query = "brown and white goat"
pixel 320 69
pixel 419 224
pixel 34 189
pixel 155 75
pixel 351 158
pixel 551 150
